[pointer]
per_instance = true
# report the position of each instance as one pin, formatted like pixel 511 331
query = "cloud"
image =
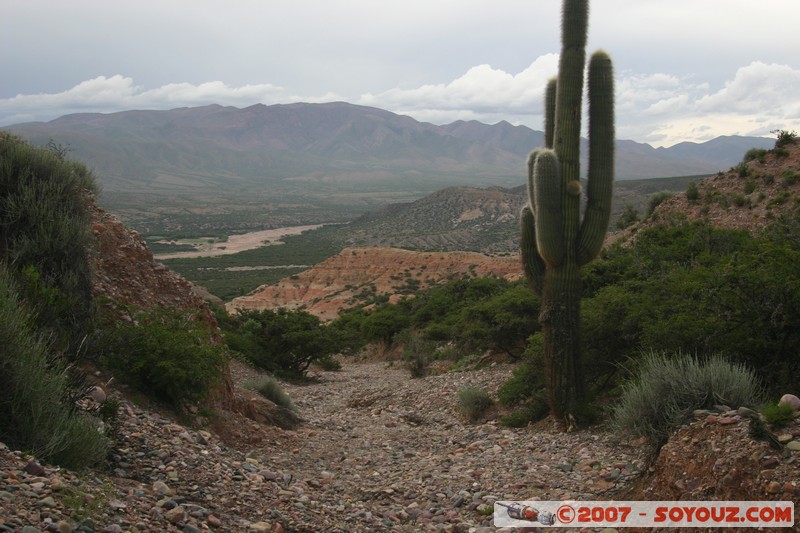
pixel 116 93
pixel 658 108
pixel 757 88
pixel 758 99
pixel 480 92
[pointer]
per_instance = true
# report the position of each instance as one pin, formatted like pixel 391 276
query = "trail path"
pixel 378 451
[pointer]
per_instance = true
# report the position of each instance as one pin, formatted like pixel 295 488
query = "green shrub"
pixel 627 218
pixel 33 390
pixel 328 363
pixel 164 353
pixel 752 154
pixel 417 353
pixel 527 380
pixel 657 199
pixel 778 199
pixel 44 234
pixel 692 192
pixel 270 389
pixel 473 402
pixel 749 187
pixel 283 342
pixel 790 177
pixel 666 389
pixel 784 138
pixel 778 415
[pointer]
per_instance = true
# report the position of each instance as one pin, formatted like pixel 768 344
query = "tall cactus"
pixel 555 242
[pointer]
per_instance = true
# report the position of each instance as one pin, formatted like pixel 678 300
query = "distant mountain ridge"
pixel 329 146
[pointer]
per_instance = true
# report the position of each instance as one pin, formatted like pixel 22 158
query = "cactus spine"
pixel 555 242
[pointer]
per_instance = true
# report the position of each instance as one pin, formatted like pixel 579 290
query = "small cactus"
pixel 555 241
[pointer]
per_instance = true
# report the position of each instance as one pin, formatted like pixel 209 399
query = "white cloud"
pixel 481 91
pixel 760 98
pixel 758 88
pixel 659 108
pixel 116 93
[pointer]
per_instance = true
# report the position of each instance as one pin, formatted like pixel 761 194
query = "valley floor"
pixel 378 451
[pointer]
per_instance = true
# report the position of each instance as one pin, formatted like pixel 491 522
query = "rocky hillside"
pixel 453 219
pixel 748 196
pixel 123 270
pixel 360 275
pixel 717 456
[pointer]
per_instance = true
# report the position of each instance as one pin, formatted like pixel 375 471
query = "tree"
pixel 284 342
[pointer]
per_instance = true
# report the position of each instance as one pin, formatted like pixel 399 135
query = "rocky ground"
pixel 377 451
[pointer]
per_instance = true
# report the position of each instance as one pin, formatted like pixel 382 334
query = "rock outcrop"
pixel 720 456
pixel 125 273
pixel 123 270
pixel 357 275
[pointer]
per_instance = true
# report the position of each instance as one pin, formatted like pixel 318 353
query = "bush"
pixel 328 363
pixel 33 389
pixel 283 342
pixel 692 192
pixel 657 199
pixel 778 415
pixel 666 389
pixel 164 353
pixel 627 218
pixel 527 380
pixel 417 353
pixel 790 177
pixel 45 231
pixel 752 154
pixel 742 170
pixel 270 389
pixel 784 138
pixel 473 402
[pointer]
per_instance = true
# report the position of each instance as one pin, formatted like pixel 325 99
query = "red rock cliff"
pixel 356 274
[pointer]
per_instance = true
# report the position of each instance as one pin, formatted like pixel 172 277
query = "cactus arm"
pixel 547 205
pixel 550 112
pixel 601 158
pixel 532 263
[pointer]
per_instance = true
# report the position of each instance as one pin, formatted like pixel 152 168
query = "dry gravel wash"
pixel 378 451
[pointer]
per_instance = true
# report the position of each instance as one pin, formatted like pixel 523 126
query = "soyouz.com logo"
pixel 643 514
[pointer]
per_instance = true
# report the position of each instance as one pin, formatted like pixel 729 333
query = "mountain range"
pixel 329 147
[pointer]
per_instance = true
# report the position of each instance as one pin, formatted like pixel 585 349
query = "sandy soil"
pixel 240 243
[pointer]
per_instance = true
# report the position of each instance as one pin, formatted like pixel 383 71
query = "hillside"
pixel 473 219
pixel 361 275
pixel 748 196
pixel 453 219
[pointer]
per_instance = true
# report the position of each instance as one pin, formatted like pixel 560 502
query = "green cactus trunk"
pixel 555 243
pixel 560 321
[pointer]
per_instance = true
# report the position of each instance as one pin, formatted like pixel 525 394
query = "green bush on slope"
pixel 44 233
pixel 33 388
pixel 164 353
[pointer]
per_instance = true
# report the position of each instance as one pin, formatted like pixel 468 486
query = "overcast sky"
pixel 687 70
